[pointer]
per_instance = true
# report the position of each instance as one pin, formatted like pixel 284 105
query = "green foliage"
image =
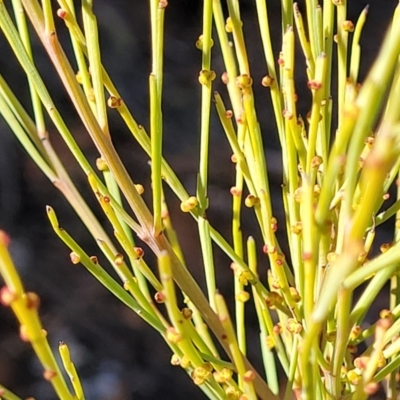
pixel 333 193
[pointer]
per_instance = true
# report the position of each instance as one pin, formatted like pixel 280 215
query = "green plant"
pixel 333 193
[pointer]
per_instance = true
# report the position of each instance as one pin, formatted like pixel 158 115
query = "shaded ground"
pixel 117 355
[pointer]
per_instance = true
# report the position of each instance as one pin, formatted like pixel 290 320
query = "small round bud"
pixel 242 296
pixel 228 25
pixel 287 114
pixel 61 13
pixel 190 204
pixel 173 335
pixel 232 393
pixel 94 259
pixel 175 359
pixel 49 374
pixel 251 201
pixel 244 81
pixel 249 376
pixel 23 333
pixel 348 26
pixel 186 313
pixel 114 102
pixel 201 374
pixel 229 114
pixel 7 296
pixel 32 300
pixel 205 369
pixel 139 252
pixel 4 238
pixel 314 85
pixel 235 191
pixel 355 332
pixel 293 326
pixel 101 164
pixel 74 257
pixel 119 259
pixel 235 268
pixel 206 77
pixel 267 81
pixel 199 43
pixel 223 376
pixel 245 277
pixel 269 249
pixel 277 328
pixel 139 188
pixel 316 161
pixel 159 297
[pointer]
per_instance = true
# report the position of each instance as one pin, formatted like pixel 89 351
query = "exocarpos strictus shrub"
pixel 339 161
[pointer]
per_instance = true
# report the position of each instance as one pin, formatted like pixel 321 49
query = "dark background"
pixel 117 355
